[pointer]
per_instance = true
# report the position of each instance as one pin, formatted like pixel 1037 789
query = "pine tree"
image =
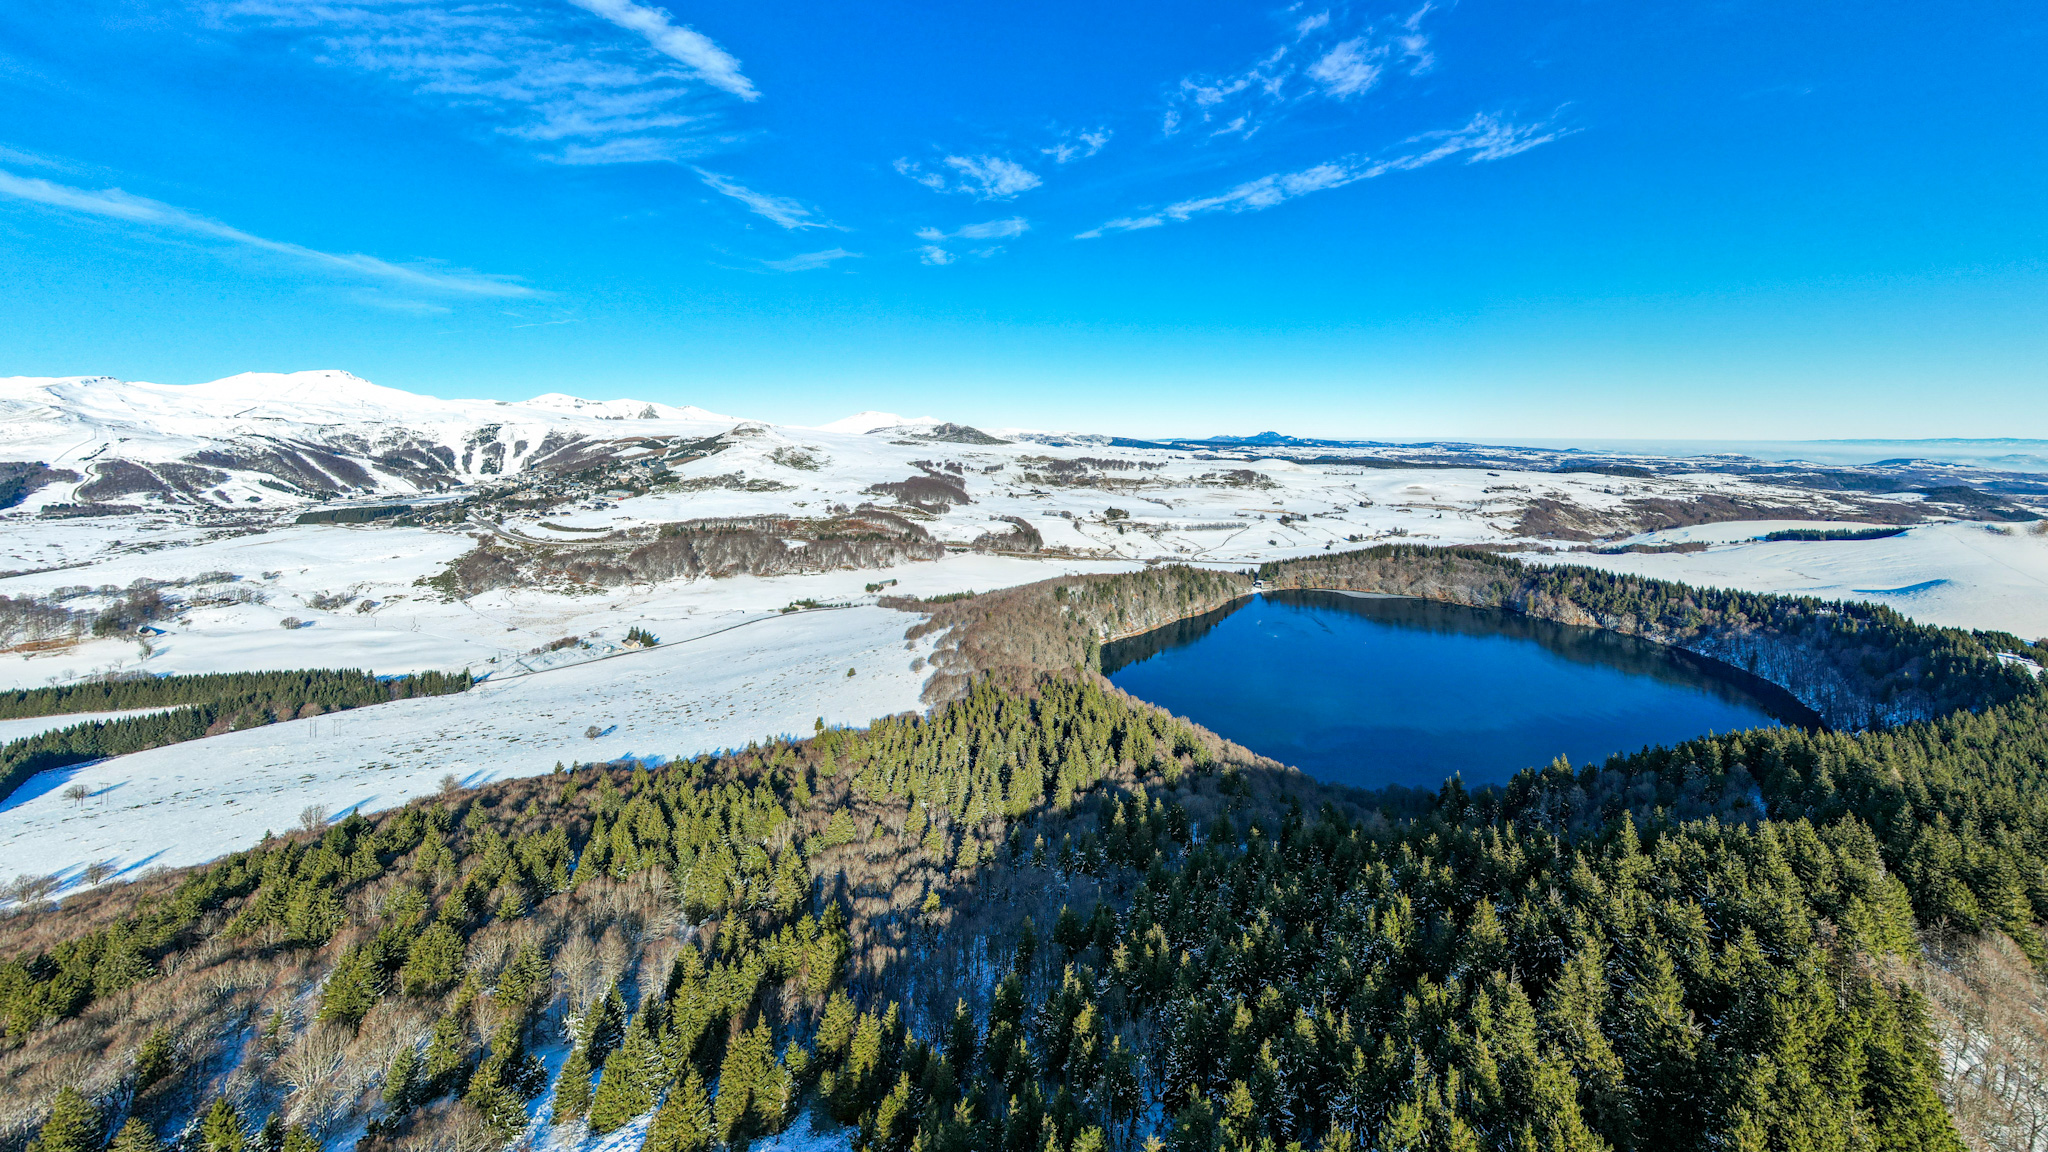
pixel 447 1061
pixel 222 1130
pixel 684 1122
pixel 623 1091
pixel 136 1136
pixel 297 1139
pixel 434 962
pixel 402 1082
pixel 73 1126
pixel 1663 1047
pixel 742 1074
pixel 572 1088
pixel 154 1060
pixel 353 987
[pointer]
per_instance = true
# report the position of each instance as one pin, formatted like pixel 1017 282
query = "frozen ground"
pixel 191 802
pixel 392 626
pixel 1965 575
pixel 32 725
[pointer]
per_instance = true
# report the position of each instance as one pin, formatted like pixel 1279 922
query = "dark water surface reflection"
pixel 1372 691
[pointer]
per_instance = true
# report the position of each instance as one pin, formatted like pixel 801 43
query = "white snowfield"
pixel 1964 575
pixel 36 725
pixel 731 667
pixel 192 802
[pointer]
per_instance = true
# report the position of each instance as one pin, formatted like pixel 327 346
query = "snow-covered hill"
pixel 270 438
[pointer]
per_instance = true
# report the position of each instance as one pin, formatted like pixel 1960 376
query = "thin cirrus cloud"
pixel 986 230
pixel 578 93
pixel 711 64
pixel 1485 137
pixel 931 253
pixel 808 261
pixel 114 204
pixel 781 210
pixel 982 177
pixel 1327 57
pixel 1077 145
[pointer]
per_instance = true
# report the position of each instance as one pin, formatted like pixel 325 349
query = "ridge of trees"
pixel 1857 664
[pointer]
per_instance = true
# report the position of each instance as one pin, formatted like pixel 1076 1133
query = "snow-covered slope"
pixel 269 438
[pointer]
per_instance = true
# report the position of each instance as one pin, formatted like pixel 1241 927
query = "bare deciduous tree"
pixel 1990 1011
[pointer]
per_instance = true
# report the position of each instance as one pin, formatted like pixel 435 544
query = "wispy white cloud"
pixel 1485 137
pixel 710 63
pixel 1414 44
pixel 1201 99
pixel 780 209
pixel 807 261
pixel 114 204
pixel 933 254
pixel 1327 56
pixel 1077 145
pixel 1350 67
pixel 982 177
pixel 20 159
pixel 986 230
pixel 550 76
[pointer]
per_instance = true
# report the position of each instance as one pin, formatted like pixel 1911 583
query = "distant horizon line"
pixel 1560 443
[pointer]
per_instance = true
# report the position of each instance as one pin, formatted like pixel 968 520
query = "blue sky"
pixel 1488 219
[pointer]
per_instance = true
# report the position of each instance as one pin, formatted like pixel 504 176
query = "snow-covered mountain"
pixel 263 437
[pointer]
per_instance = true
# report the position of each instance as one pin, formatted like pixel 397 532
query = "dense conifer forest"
pixel 1049 918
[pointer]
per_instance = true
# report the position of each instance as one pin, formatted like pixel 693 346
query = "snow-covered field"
pixel 731 666
pixel 191 802
pixel 1965 575
pixel 35 725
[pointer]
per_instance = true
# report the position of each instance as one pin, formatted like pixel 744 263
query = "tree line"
pixel 204 705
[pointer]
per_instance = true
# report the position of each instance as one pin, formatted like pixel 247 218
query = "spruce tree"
pixel 73 1126
pixel 684 1122
pixel 572 1088
pixel 434 962
pixel 447 1062
pixel 623 1091
pixel 1662 1055
pixel 136 1136
pixel 606 1026
pixel 352 989
pixel 222 1129
pixel 402 1082
pixel 154 1060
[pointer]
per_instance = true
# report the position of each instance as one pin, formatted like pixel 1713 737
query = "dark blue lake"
pixel 1372 691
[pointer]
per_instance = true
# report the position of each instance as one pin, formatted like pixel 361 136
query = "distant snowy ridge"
pixel 262 437
pixel 861 423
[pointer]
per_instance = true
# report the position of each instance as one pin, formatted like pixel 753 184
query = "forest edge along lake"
pixel 1371 690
